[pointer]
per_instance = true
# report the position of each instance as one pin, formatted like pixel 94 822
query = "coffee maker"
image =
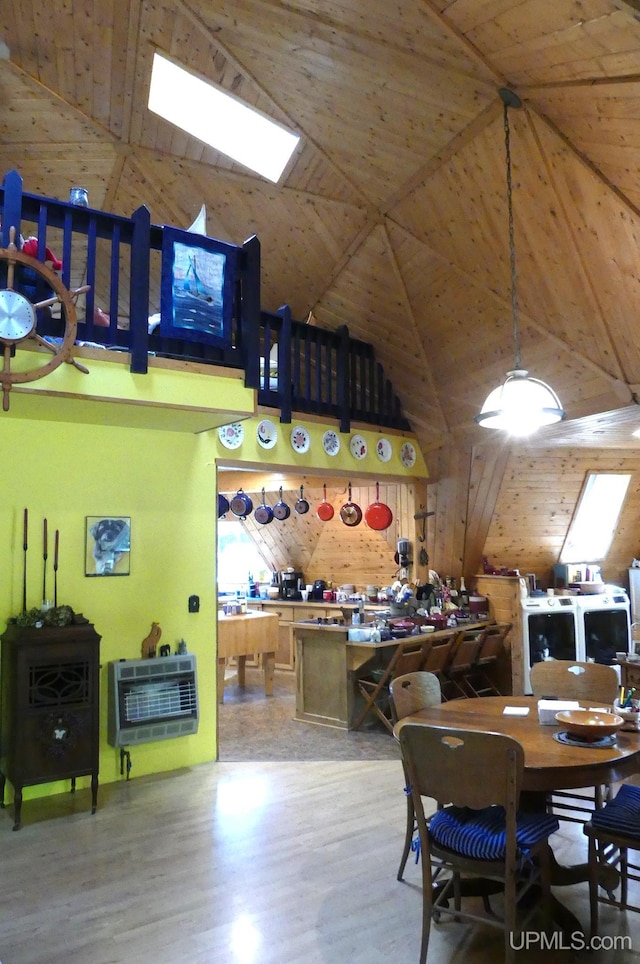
pixel 289 581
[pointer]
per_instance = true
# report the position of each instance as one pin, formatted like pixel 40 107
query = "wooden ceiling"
pixel 391 217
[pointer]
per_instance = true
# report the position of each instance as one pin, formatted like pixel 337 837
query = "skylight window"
pixel 222 121
pixel 594 523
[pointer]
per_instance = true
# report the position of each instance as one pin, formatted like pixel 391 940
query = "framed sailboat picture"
pixel 198 286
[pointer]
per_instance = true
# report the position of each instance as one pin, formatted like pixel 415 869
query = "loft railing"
pixel 294 367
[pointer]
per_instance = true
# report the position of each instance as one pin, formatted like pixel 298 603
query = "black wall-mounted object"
pixel 194 604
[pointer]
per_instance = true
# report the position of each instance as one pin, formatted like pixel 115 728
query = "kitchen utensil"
pixel 378 515
pixel 241 505
pixel 302 506
pixel 281 510
pixel 589 725
pixel 319 587
pixel 350 513
pixel 325 509
pixel 264 512
pixel 223 505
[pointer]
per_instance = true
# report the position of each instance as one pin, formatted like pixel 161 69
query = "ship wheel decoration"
pixel 18 320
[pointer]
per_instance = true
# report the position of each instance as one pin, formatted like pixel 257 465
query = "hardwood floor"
pixel 240 863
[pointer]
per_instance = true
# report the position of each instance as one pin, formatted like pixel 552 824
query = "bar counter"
pixel 328 664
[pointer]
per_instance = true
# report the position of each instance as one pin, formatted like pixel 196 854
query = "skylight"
pixel 222 121
pixel 596 517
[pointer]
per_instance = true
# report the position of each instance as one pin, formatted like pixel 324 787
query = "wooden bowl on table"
pixel 589 725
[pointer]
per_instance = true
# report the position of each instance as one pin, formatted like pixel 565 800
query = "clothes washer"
pixel 549 631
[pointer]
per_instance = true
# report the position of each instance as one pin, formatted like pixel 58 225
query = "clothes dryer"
pixel 604 625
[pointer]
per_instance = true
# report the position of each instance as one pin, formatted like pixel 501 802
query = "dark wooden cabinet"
pixel 49 715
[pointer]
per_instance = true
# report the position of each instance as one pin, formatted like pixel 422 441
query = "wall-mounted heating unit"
pixel 152 699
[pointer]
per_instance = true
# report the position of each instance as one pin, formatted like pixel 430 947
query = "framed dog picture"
pixel 107 545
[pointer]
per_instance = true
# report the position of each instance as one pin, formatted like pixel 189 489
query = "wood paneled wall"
pixel 332 550
pixel 521 501
pixel 537 501
pixel 512 504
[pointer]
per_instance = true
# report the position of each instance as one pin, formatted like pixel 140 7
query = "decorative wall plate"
pixel 331 442
pixel 358 446
pixel 267 433
pixel 300 439
pixel 383 449
pixel 408 455
pixel 231 435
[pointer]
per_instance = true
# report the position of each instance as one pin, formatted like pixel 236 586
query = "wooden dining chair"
pixel 410 694
pixel 594 683
pixel 408 657
pixel 566 679
pixel 612 832
pixel 478 680
pixel 480 832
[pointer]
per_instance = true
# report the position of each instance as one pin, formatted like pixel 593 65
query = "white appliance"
pixel 634 594
pixel 604 625
pixel 549 631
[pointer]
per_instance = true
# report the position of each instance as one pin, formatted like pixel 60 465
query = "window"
pixel 596 517
pixel 238 557
pixel 222 121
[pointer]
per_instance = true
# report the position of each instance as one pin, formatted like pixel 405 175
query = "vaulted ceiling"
pixel 391 217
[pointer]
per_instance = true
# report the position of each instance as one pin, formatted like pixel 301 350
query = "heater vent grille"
pixel 152 699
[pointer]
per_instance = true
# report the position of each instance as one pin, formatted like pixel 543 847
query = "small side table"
pixel 630 673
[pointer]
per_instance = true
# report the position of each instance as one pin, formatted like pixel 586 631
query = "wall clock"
pixel 18 321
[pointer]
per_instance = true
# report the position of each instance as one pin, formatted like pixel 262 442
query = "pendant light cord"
pixel 512 247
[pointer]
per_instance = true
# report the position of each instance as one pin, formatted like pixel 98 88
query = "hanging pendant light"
pixel 521 404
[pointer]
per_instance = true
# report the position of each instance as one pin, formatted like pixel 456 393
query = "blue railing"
pixel 294 367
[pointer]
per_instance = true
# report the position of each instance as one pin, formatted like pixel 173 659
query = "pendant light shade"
pixel 522 404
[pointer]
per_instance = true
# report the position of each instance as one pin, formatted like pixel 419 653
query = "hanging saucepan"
pixel 325 509
pixel 378 515
pixel 241 505
pixel 301 506
pixel 281 510
pixel 264 513
pixel 223 505
pixel 350 513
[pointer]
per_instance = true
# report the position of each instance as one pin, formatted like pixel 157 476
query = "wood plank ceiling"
pixel 391 217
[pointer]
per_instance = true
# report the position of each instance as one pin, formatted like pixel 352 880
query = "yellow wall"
pixel 158 466
pixel 164 481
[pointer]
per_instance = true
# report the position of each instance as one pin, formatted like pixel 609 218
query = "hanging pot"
pixel 241 505
pixel 350 513
pixel 378 516
pixel 264 513
pixel 281 510
pixel 301 506
pixel 223 505
pixel 325 509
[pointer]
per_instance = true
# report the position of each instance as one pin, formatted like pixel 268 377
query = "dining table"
pixel 549 764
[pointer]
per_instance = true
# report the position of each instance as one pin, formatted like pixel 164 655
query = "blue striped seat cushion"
pixel 622 814
pixel 481 834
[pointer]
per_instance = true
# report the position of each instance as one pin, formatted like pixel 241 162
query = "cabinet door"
pixel 284 653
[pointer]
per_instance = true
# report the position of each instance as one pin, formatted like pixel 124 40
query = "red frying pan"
pixel 325 509
pixel 350 513
pixel 378 516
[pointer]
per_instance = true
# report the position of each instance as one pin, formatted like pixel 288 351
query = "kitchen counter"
pixel 328 664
